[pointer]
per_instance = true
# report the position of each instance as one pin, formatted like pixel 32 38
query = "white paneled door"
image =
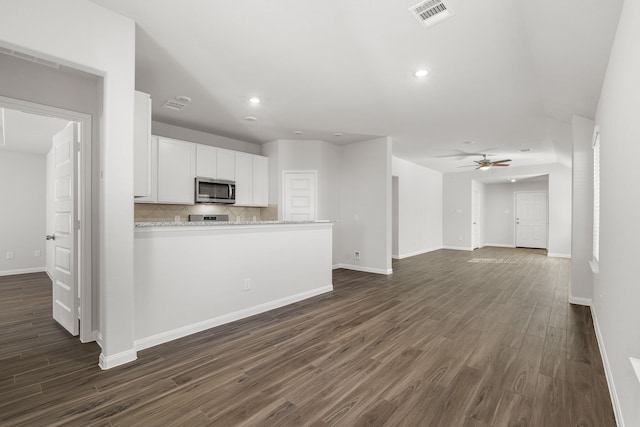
pixel 531 220
pixel 65 287
pixel 299 196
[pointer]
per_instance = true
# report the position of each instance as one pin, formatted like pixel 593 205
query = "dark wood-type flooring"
pixel 441 342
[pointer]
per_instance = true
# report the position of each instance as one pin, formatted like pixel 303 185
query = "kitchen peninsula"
pixel 193 276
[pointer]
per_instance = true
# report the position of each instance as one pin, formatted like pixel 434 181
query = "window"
pixel 596 196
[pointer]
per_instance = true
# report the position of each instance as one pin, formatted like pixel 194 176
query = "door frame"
pixel 515 215
pixel 283 195
pixel 84 249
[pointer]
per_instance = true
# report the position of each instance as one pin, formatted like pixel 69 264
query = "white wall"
pixel 23 184
pixel 365 206
pixel 210 294
pixel 499 217
pixel 616 293
pixel 419 208
pixel 457 205
pixel 83 35
pixel 191 135
pixel 456 211
pixel 581 290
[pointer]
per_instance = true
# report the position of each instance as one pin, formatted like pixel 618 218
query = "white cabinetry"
pixel 176 171
pixel 153 185
pixel 260 181
pixel 216 163
pixel 142 145
pixel 252 180
pixel 226 164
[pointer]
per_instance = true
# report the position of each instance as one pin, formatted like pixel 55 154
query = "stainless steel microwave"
pixel 215 191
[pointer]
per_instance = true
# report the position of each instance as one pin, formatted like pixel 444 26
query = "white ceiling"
pixel 506 74
pixel 26 132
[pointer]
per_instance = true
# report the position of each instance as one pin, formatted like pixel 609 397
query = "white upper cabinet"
pixel 226 164
pixel 252 180
pixel 260 181
pixel 244 179
pixel 153 194
pixel 215 163
pixel 176 171
pixel 206 161
pixel 142 145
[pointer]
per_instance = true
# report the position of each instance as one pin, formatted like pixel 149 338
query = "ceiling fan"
pixel 486 164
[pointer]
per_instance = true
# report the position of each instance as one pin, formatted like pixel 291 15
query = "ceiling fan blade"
pixel 501 161
pixel 498 165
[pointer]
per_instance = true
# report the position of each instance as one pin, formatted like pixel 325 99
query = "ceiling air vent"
pixel 430 12
pixel 174 105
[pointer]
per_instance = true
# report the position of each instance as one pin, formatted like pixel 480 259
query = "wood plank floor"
pixel 482 338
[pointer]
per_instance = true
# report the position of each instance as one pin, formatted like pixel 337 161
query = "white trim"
pixel 84 278
pixel 595 266
pixel 23 271
pixel 580 301
pixel 420 252
pixel 557 255
pixel 607 370
pixel 635 363
pixel 108 362
pixel 364 269
pixel 97 337
pixel 457 248
pixel 163 337
pixel 498 245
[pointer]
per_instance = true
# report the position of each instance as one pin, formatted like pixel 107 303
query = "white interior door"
pixel 475 220
pixel 531 220
pixel 299 195
pixel 65 287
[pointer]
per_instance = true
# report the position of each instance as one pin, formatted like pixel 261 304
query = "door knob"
pixel 50 237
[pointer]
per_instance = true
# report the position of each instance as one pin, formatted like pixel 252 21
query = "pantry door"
pixel 299 194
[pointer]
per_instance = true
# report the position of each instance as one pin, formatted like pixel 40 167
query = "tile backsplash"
pixel 152 212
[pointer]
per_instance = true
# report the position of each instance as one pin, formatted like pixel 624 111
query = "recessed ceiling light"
pixel 337 134
pixel 254 100
pixel 469 142
pixel 183 99
pixel 421 73
pixel 250 119
pixel 513 180
pixel 298 132
pixel 525 150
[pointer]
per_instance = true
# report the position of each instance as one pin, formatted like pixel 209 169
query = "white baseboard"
pixel 22 271
pixel 363 269
pixel 458 248
pixel 498 245
pixel 108 362
pixel 557 255
pixel 580 301
pixel 420 252
pixel 607 370
pixel 174 334
pixel 97 337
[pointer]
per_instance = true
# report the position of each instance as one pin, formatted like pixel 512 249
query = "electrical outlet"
pixel 247 284
pixel 36 253
pixel 10 255
pixel 356 255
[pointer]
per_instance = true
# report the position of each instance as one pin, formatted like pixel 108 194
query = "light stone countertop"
pixel 227 223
